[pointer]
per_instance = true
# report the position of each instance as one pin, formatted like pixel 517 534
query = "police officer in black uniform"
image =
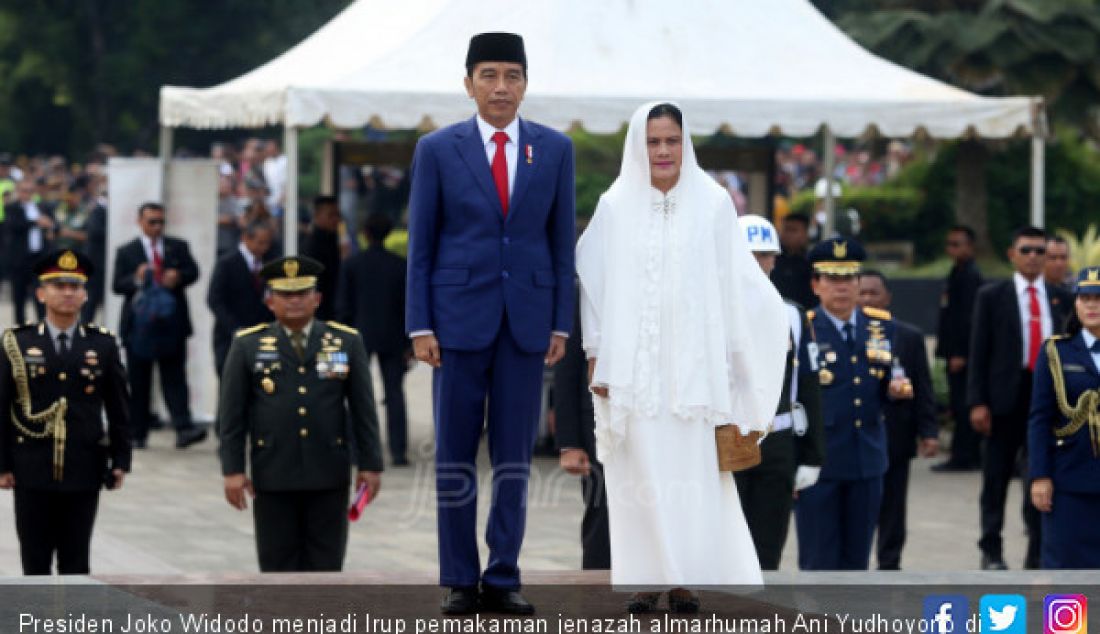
pixel 296 397
pixel 57 377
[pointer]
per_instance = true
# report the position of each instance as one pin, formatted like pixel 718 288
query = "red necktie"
pixel 500 170
pixel 158 265
pixel 1034 328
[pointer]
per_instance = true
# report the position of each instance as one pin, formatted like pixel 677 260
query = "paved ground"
pixel 170 518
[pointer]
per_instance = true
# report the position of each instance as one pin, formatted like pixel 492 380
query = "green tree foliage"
pixel 993 47
pixel 77 72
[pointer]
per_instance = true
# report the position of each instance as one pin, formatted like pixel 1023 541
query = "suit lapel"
pixel 313 344
pixel 1054 304
pixel 524 171
pixel 473 153
pixel 285 347
pixel 1014 315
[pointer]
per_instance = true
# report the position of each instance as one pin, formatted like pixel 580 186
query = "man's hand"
pixel 372 479
pixel 45 222
pixel 981 419
pixel 901 389
pixel 119 475
pixel 1042 494
pixel 575 462
pixel 7 480
pixel 598 390
pixel 929 447
pixel 139 274
pixel 556 351
pixel 238 488
pixel 956 364
pixel 170 279
pixel 426 349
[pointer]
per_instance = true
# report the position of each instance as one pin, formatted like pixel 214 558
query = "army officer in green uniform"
pixel 296 396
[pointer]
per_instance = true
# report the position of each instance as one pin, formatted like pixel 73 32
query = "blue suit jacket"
pixel 1068 461
pixel 855 434
pixel 468 265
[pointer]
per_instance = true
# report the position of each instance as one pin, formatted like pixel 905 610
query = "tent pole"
pixel 290 204
pixel 1038 168
pixel 165 159
pixel 829 157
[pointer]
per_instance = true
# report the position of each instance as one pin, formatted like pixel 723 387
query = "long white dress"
pixel 687 333
pixel 675 519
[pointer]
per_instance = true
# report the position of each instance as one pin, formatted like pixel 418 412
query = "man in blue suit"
pixel 489 301
pixel 836 517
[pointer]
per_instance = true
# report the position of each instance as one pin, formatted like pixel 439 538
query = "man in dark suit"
pixel 57 378
pixel 29 228
pixel 154 259
pixel 372 299
pixel 489 306
pixel 291 393
pixel 575 436
pixel 323 244
pixel 907 423
pixel 236 293
pixel 1011 319
pixel 792 273
pixel 953 345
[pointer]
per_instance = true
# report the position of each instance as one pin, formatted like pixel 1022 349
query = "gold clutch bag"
pixel 735 451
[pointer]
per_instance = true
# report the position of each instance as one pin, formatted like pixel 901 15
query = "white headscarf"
pixel 730 332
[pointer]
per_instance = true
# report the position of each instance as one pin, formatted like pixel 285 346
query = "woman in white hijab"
pixel 683 333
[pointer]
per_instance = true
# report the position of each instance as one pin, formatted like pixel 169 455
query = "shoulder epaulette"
pixel 1059 337
pixel 99 329
pixel 810 315
pixel 25 326
pixel 339 326
pixel 876 313
pixel 251 330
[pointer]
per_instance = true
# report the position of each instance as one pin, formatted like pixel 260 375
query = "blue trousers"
pixel 504 382
pixel 836 521
pixel 1070 539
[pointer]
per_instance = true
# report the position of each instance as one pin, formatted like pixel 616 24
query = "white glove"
pixel 806 476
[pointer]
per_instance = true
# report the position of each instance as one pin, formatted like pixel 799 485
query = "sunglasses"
pixel 1032 250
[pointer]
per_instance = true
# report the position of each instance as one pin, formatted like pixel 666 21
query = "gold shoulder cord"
pixel 1086 410
pixel 52 419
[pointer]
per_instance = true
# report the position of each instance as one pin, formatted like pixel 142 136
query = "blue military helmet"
pixel 759 233
pixel 837 256
pixel 1088 281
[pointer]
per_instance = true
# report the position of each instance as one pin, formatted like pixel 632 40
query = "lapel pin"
pixel 530 154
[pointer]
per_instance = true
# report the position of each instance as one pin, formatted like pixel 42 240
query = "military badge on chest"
pixel 267 364
pixel 35 362
pixel 332 361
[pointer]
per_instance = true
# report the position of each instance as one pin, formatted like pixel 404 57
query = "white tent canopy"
pixel 752 67
pixel 756 67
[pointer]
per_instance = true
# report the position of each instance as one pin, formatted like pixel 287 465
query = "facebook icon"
pixel 945 614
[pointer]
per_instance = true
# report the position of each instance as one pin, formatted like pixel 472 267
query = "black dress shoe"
pixel 990 562
pixel 681 604
pixel 459 601
pixel 643 603
pixel 189 436
pixel 139 443
pixel 505 601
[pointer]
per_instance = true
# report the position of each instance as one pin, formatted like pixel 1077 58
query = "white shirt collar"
pixel 1022 284
pixel 249 258
pixel 487 130
pixel 1089 339
pixel 838 322
pixel 55 331
pixel 147 243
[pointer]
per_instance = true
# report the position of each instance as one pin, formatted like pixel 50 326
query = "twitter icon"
pixel 1003 614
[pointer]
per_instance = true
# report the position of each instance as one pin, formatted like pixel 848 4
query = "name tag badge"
pixel 1073 367
pixel 811 352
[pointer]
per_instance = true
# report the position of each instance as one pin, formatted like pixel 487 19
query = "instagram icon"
pixel 1065 614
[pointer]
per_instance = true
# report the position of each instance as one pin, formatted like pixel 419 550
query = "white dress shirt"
pixel 1023 299
pixel 54 331
pixel 34 234
pixel 1089 340
pixel 147 244
pixel 511 148
pixel 252 261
